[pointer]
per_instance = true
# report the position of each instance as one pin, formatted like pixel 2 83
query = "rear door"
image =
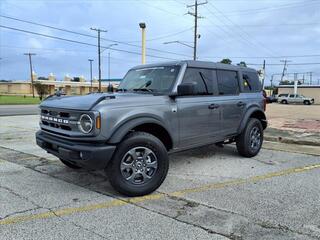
pixel 232 105
pixel 199 119
pixel 299 98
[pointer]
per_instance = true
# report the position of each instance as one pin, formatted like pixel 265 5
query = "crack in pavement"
pixel 75 224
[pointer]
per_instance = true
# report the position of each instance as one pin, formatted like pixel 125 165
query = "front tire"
pixel 284 102
pixel 306 102
pixel 249 142
pixel 139 165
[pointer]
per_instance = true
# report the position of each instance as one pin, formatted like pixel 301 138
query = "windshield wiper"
pixel 143 89
pixel 121 90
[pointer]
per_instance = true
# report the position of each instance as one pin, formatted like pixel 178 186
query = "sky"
pixel 242 30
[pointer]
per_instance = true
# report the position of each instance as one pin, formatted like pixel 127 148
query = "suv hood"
pixel 88 102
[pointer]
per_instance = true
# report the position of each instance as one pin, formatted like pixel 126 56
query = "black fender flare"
pixel 125 127
pixel 256 112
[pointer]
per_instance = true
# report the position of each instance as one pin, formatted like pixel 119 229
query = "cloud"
pixel 242 30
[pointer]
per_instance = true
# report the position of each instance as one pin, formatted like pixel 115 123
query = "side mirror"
pixel 187 89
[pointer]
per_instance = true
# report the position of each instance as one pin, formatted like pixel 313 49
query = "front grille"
pixel 59 119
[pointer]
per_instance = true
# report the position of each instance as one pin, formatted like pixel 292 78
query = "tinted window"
pixel 228 82
pixel 291 95
pixel 202 77
pixel 251 82
pixel 283 95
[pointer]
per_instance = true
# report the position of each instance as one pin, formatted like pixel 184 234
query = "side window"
pixel 202 77
pixel 291 95
pixel 251 82
pixel 228 83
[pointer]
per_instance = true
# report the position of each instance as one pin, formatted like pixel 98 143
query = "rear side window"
pixel 291 95
pixel 251 82
pixel 202 77
pixel 283 95
pixel 228 83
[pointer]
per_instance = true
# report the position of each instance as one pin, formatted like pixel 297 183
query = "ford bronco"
pixel 157 109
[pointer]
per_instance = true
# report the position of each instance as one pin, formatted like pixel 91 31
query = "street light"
pixel 142 25
pixel 110 88
pixel 108 47
pixel 179 42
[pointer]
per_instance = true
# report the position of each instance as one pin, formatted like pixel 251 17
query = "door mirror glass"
pixel 187 89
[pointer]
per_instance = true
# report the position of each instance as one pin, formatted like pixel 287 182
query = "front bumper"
pixel 88 155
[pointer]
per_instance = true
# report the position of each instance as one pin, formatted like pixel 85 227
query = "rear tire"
pixel 249 142
pixel 284 102
pixel 139 165
pixel 70 165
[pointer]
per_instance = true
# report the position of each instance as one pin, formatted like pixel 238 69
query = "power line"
pixel 270 9
pixel 91 36
pixel 288 64
pixel 241 29
pixel 231 57
pixel 228 32
pixel 164 36
pixel 270 25
pixel 83 43
pixel 263 57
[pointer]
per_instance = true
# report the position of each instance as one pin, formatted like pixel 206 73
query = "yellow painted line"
pixel 157 196
pixel 245 180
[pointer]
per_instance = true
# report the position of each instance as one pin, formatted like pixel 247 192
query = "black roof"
pixel 198 64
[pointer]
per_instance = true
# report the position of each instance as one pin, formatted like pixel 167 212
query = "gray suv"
pixel 157 109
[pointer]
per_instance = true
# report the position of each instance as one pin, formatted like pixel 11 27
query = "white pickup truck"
pixel 294 98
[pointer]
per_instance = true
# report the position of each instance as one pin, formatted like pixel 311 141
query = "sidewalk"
pixel 295 124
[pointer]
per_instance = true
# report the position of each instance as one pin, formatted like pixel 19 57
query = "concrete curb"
pixel 291 141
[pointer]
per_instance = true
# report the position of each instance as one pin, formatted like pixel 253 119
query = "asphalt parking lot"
pixel 210 193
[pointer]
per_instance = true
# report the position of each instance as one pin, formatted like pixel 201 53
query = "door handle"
pixel 213 106
pixel 241 104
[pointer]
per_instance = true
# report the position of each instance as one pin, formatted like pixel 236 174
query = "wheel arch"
pixel 253 112
pixel 145 124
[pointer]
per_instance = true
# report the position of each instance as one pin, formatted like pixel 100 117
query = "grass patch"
pixel 18 100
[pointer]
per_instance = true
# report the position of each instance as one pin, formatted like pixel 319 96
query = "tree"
pixel 41 89
pixel 242 64
pixel 226 61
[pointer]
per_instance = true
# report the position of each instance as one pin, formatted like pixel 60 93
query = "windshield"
pixel 153 79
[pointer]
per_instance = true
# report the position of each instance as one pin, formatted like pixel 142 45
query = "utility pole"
pixel 110 87
pixel 109 65
pixel 264 72
pixel 284 68
pixel 31 75
pixel 195 15
pixel 99 53
pixel 271 81
pixel 90 60
pixel 295 81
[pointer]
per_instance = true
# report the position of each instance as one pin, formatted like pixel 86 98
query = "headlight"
pixel 85 123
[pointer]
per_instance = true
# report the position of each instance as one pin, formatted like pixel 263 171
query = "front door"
pixel 199 115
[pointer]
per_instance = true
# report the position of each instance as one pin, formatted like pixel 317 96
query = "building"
pixel 312 91
pixel 69 86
